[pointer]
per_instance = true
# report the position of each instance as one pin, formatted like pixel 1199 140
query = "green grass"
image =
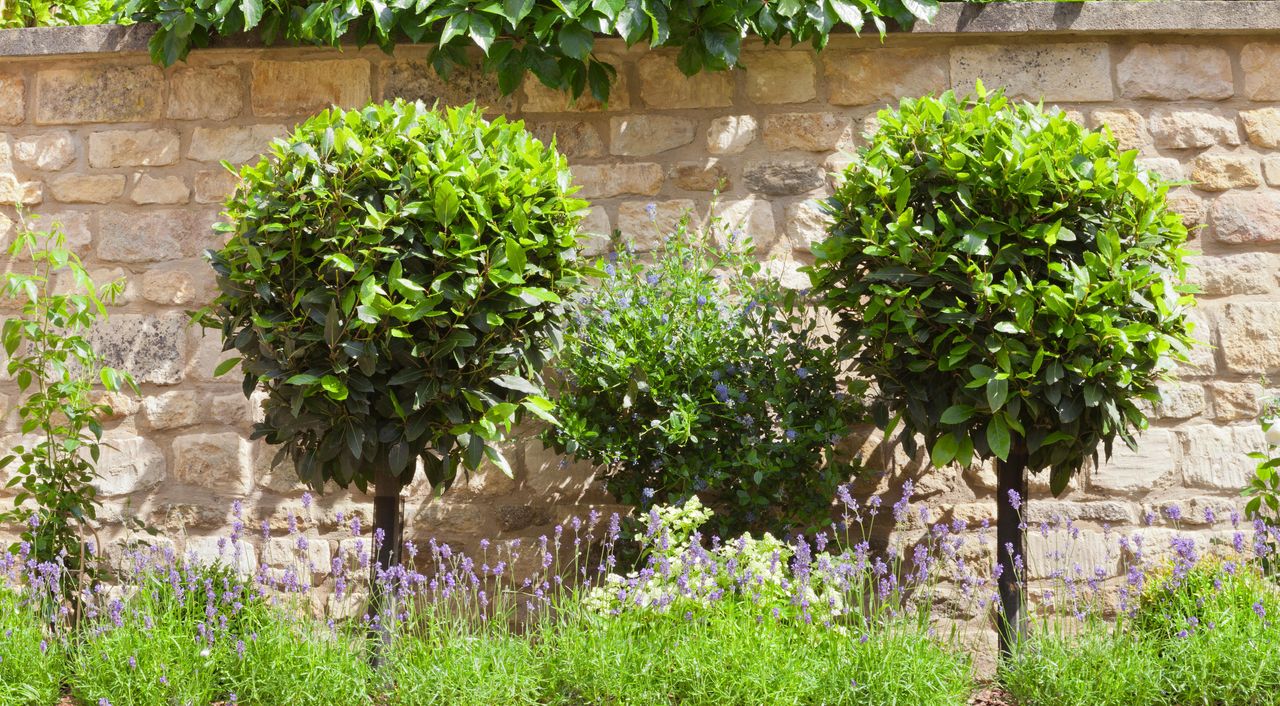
pixel 29 674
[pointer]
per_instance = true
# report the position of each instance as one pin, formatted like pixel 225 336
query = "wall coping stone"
pixel 1103 17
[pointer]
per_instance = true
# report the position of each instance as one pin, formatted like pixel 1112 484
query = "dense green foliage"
pixel 550 38
pixel 394 281
pixel 51 357
pixel 1004 274
pixel 31 659
pixel 1263 490
pixel 51 13
pixel 695 372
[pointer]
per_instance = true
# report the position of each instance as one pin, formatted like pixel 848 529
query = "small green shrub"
pixel 31 658
pixel 697 373
pixel 55 13
pixel 1263 489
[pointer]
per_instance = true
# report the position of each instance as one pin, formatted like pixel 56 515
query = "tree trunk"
pixel 1011 544
pixel 388 522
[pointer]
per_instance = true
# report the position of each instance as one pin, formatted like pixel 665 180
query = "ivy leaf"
pixel 516 10
pixel 922 9
pixel 576 41
pixel 455 26
pixel 482 32
pixel 848 12
pixel 252 10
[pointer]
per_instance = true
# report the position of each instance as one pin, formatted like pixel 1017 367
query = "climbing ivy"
pixel 553 39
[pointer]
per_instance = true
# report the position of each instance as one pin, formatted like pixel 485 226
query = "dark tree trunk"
pixel 388 522
pixel 1010 543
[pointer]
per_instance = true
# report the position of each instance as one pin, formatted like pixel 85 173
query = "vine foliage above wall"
pixel 553 39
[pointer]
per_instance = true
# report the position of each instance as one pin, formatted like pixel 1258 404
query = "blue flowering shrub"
pixel 692 372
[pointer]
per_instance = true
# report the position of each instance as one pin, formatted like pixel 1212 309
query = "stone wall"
pixel 126 156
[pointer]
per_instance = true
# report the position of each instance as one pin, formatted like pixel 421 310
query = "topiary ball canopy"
pixel 1007 278
pixel 394 280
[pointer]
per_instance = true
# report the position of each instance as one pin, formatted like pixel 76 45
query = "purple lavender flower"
pixel 1260 609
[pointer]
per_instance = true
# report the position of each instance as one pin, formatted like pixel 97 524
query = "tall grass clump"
pixel 31 655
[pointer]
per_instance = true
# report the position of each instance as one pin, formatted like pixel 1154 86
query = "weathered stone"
pixel 1180 400
pixel 806 225
pixel 415 80
pixel 232 144
pixel 1271 169
pixel 1127 126
pixel 1250 337
pixel 1166 168
pixel 518 517
pixel 573 138
pixel 1057 512
pixel 48 152
pixel 159 190
pixel 1261 64
pixel 281 479
pixel 14 192
pixel 700 176
pixel 1242 273
pixel 87 188
pixel 663 85
pixel 1262 126
pixel 1191 129
pixel 752 217
pixel 283 88
pixel 1047 556
pixel 1190 206
pixel 241 556
pixel 645 231
pixel 154 236
pixel 1236 400
pixel 812 132
pixel 13 102
pixel 178 284
pixel 1130 471
pixel 232 409
pixel 1194 512
pixel 211 93
pixel 128 464
pixel 1200 359
pixel 72 224
pixel 780 177
pixel 1219 172
pixel 541 99
pixel 206 355
pixel 99 94
pixel 731 134
pixel 180 518
pixel 1216 457
pixel 884 75
pixel 214 186
pixel 780 76
pixel 175 409
pixel 1074 72
pixel 642 135
pixel 1249 217
pixel 1175 72
pixel 219 462
pixel 595 232
pixel 599 181
pixel 150 346
pixel 133 148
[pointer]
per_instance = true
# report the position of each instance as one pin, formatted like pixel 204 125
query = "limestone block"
pixel 179 284
pixel 705 175
pixel 780 76
pixel 1271 169
pixel 1261 64
pixel 169 190
pixel 752 217
pixel 13 101
pixel 1219 172
pixel 1242 273
pixel 175 409
pixel 595 232
pixel 49 151
pixel 573 138
pixel 882 76
pixel 128 464
pixel 1233 401
pixel 74 225
pixel 663 85
pixel 1250 337
pixel 1127 126
pixel 306 554
pixel 1180 400
pixel 133 148
pixel 218 462
pixel 646 231
pixel 1066 72
pixel 643 135
pixel 205 93
pixel 1058 512
pixel 99 94
pixel 232 144
pixel 285 88
pixel 1216 457
pixel 1262 126
pixel 154 236
pixel 600 181
pixel 416 80
pixel 1192 129
pixel 87 188
pixel 1088 550
pixel 777 177
pixel 811 132
pixel 215 185
pixel 1130 471
pixel 150 346
pixel 14 192
pixel 731 134
pixel 1247 217
pixel 1166 168
pixel 1175 72
pixel 240 556
pixel 1200 359
pixel 806 225
pixel 1191 207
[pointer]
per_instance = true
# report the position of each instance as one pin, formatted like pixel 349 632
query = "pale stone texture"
pixel 159 190
pixel 232 144
pixel 646 231
pixel 606 180
pixel 1215 457
pixel 175 409
pixel 1074 72
pixel 1234 401
pixel 15 192
pixel 1220 172
pixel 731 134
pixel 1250 334
pixel 13 103
pixel 154 236
pixel 1165 167
pixel 284 88
pixel 1127 126
pixel 219 462
pixel 1188 129
pixel 415 80
pixel 595 232
pixel 211 93
pixel 108 94
pixel 214 186
pixel 179 283
pixel 1261 64
pixel 1243 273
pixel 662 85
pixel 777 177
pixel 1129 471
pixel 884 75
pixel 1262 126
pixel 1180 400
pixel 150 346
pixel 806 225
pixel 1271 169
pixel 128 464
pixel 700 176
pixel 780 77
pixel 47 152
pixel 1190 206
pixel 811 132
pixel 573 138
pixel 752 217
pixel 644 135
pixel 1175 72
pixel 87 188
pixel 1247 217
